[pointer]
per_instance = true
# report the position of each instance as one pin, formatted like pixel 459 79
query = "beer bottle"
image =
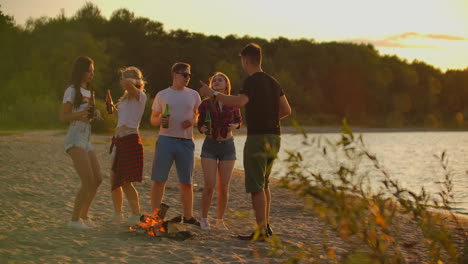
pixel 92 102
pixel 208 123
pixel 109 103
pixel 166 114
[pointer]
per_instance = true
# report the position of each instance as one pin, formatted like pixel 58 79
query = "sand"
pixel 38 187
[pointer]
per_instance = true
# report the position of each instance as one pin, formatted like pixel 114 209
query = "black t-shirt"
pixel 262 110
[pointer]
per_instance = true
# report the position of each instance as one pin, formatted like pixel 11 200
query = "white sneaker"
pixel 78 225
pixel 89 222
pixel 220 225
pixel 117 218
pixel 134 219
pixel 204 224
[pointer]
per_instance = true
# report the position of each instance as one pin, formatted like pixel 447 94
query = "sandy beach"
pixel 39 185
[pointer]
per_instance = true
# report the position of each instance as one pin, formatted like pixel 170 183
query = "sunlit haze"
pixel 433 31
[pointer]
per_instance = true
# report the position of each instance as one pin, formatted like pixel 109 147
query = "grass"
pixel 10 133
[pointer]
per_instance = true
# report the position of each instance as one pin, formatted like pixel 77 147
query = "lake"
pixel 407 156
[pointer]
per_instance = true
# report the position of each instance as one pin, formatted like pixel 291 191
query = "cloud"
pixel 398 41
pixel 446 37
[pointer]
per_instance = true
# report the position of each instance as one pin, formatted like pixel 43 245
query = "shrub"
pixel 366 220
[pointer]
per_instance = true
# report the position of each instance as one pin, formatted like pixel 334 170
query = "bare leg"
pixel 132 197
pixel 259 206
pixel 117 199
pixel 268 202
pixel 96 180
pixel 83 167
pixel 117 196
pixel 225 173
pixel 186 196
pixel 157 194
pixel 210 169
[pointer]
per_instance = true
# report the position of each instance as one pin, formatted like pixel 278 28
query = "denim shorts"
pixel 169 150
pixel 79 135
pixel 218 150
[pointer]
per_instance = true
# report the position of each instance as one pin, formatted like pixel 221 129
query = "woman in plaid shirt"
pixel 218 151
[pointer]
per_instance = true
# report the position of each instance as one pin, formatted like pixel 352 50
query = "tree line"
pixel 324 81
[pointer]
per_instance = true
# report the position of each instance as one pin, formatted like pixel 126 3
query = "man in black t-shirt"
pixel 265 105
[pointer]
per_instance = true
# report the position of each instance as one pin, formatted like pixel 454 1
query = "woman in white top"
pixel 127 148
pixel 76 110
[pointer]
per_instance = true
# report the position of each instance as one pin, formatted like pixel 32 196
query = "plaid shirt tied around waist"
pixel 128 162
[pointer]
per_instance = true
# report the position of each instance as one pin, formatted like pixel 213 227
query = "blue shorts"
pixel 168 150
pixel 218 150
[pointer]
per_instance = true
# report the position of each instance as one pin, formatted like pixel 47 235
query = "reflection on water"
pixel 407 156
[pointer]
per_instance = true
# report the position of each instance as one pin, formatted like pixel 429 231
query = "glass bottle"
pixel 166 114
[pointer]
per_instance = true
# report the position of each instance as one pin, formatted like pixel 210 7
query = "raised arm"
pixel 131 88
pixel 238 101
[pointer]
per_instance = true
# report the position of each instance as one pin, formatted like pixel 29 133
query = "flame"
pixel 152 224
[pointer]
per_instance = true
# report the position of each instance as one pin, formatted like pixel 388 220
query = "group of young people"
pixel 177 110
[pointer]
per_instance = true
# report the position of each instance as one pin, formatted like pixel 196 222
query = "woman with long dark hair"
pixel 78 110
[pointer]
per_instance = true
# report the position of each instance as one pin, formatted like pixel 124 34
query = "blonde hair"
pixel 134 74
pixel 228 82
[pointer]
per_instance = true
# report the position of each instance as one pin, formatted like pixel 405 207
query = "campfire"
pixel 156 226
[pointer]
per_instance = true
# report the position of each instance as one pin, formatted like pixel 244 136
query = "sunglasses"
pixel 186 75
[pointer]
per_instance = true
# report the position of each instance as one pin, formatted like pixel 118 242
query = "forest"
pixel 324 81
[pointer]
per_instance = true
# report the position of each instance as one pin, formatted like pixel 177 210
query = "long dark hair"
pixel 80 67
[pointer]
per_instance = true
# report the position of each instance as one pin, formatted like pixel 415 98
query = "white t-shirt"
pixel 182 106
pixel 69 96
pixel 131 110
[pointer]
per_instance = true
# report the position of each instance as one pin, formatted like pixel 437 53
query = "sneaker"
pixel 192 221
pixel 134 219
pixel 177 219
pixel 117 218
pixel 220 225
pixel 89 222
pixel 204 224
pixel 78 225
pixel 262 236
pixel 269 230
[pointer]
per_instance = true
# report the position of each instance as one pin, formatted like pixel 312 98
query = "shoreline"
pixel 357 129
pixel 284 130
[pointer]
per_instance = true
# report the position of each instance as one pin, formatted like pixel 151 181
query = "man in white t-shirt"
pixel 175 141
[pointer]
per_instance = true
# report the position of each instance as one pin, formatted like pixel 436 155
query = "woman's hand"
pixel 127 84
pixel 231 127
pixel 98 115
pixel 83 115
pixel 203 129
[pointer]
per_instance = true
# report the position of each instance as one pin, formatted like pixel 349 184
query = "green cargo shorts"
pixel 260 151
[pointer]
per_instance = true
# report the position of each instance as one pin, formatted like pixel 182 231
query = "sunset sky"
pixel 434 31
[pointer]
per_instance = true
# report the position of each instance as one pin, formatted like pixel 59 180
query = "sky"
pixel 433 31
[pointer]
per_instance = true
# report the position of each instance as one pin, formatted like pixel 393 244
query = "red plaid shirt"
pixel 220 119
pixel 128 162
